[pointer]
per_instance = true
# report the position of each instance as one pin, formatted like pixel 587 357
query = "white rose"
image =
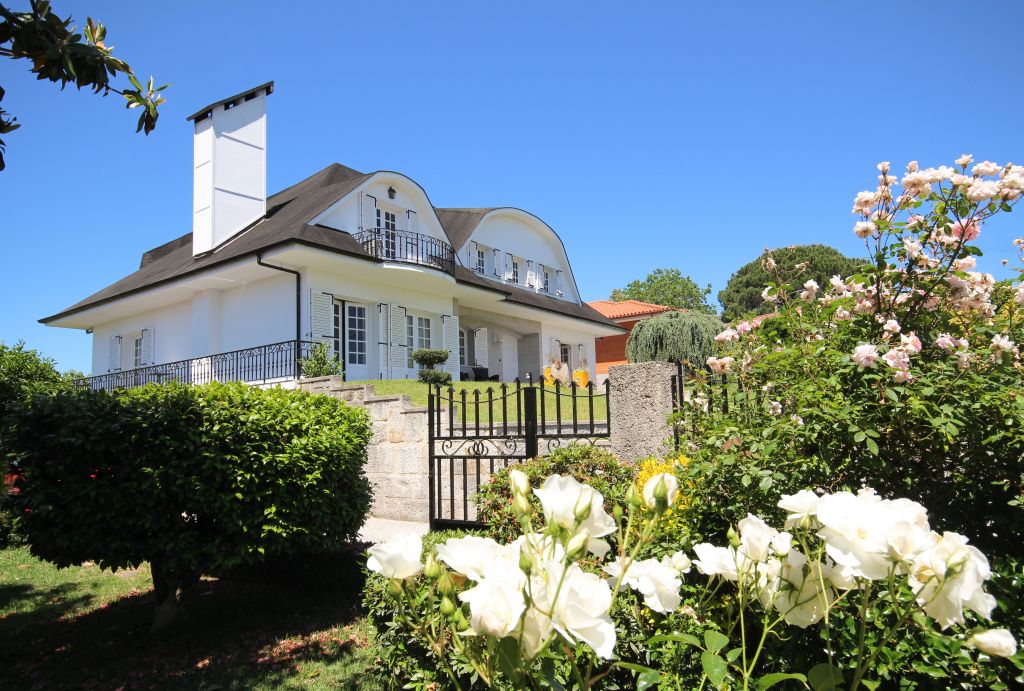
pixel 495 606
pixel 469 555
pixel 811 594
pixel 399 557
pixel 671 485
pixel 561 496
pixel 948 578
pixel 680 562
pixel 756 537
pixel 801 506
pixel 716 561
pixel 581 610
pixel 519 482
pixel 994 642
pixel 657 581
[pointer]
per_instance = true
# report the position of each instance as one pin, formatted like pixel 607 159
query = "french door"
pixel 353 347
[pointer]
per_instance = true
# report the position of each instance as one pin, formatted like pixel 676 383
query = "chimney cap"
pixel 205 111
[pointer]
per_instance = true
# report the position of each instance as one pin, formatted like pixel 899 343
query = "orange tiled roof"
pixel 627 308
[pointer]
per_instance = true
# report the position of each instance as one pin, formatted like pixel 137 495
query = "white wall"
pixel 257 313
pixel 522 236
pixel 345 215
pixel 172 335
pixel 572 337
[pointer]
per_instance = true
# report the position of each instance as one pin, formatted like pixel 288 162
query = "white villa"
pixel 361 261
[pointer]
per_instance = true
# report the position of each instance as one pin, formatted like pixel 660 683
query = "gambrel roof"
pixel 287 220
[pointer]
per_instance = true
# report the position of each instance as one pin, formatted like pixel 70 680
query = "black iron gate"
pixel 473 433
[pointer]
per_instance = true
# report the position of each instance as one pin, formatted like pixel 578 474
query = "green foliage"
pixel 667 287
pixel 688 336
pixel 401 652
pixel 58 54
pixel 588 464
pixel 427 359
pixel 430 357
pixel 25 373
pixel 321 363
pixel 742 294
pixel 435 377
pixel 192 479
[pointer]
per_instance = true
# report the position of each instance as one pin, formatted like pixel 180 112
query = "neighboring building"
pixel 361 261
pixel 611 350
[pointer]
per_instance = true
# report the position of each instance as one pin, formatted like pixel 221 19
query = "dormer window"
pixel 481 261
pixel 515 271
pixel 547 281
pixel 387 221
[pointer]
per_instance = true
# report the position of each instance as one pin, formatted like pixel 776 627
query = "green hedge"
pixel 192 479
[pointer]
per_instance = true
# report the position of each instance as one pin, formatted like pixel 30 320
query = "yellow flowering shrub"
pixel 673 527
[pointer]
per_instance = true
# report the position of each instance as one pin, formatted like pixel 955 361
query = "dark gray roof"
pixel 287 221
pixel 202 112
pixel 459 224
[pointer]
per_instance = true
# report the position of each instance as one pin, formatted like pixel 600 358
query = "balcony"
pixel 266 364
pixel 407 248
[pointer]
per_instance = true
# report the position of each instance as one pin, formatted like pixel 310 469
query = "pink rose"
pixel 865 355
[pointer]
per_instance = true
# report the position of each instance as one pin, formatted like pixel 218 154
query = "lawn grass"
pixel 417 392
pixel 279 626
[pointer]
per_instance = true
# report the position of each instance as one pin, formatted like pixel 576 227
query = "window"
pixel 137 353
pixel 356 328
pixel 387 221
pixel 480 261
pixel 515 271
pixel 565 353
pixel 423 332
pixel 409 330
pixel 462 347
pixel 547 281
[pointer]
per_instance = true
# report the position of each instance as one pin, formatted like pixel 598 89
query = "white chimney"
pixel 229 184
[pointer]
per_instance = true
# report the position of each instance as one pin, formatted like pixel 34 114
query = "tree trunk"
pixel 165 590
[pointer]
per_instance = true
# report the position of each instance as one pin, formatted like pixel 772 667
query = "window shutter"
pixel 508 266
pixel 531 276
pixel 147 346
pixel 383 330
pixel 497 262
pixel 558 283
pixel 397 354
pixel 450 330
pixel 367 212
pixel 480 346
pixel 554 349
pixel 321 311
pixel 540 277
pixel 114 363
pixel 472 255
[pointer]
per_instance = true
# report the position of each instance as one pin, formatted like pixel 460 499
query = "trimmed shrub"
pixel 589 464
pixel 192 479
pixel 428 359
pixel 435 377
pixel 688 336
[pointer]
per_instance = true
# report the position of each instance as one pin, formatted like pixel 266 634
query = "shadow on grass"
pixel 289 624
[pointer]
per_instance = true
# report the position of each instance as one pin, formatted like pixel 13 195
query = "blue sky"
pixel 688 135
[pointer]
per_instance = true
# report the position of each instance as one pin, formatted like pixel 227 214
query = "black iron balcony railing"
pixel 275 362
pixel 407 248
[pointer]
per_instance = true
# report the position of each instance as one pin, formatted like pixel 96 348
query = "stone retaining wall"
pixel 396 463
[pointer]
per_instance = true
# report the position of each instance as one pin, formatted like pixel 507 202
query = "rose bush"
pixel 537 611
pixel 906 376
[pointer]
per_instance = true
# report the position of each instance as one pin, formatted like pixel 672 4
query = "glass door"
pixel 357 367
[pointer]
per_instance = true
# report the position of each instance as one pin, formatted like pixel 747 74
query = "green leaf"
pixel 770 680
pixel 648 680
pixel 715 641
pixel 714 668
pixel 824 677
pixel 872 446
